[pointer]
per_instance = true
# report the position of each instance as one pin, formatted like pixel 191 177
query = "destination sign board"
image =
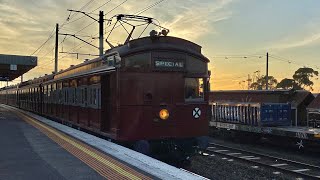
pixel 169 64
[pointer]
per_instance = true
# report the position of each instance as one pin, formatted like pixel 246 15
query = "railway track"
pixel 278 164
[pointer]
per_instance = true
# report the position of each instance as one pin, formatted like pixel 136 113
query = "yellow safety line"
pixel 88 152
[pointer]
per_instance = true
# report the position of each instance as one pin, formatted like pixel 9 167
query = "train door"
pixel 106 103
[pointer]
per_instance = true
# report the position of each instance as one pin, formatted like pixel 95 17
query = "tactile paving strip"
pixel 105 165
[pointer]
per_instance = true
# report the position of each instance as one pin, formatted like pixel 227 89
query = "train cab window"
pixel 142 60
pixel 193 89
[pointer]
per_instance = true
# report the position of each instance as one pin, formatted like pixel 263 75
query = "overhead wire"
pixel 74 33
pixel 89 12
pixel 290 61
pixel 44 43
pixel 52 32
pixel 139 12
pixel 93 21
pixel 104 14
pixel 75 14
pixel 149 7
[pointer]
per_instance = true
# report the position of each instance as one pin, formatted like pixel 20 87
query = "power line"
pixel 89 13
pixel 105 14
pixel 116 7
pixel 74 33
pixel 149 7
pixel 52 32
pixel 94 21
pixel 51 60
pixel 72 50
pixel 139 12
pixel 44 43
pixel 290 61
pixel 74 15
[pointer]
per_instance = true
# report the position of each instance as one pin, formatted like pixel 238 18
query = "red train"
pixel 151 93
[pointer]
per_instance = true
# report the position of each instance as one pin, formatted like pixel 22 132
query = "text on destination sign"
pixel 169 64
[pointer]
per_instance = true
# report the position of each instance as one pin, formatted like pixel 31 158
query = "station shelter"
pixel 13 66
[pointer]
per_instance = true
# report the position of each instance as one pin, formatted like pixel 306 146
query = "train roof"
pixel 134 46
pixel 159 43
pixel 146 44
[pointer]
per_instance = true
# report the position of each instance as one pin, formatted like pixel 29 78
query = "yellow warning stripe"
pixel 113 166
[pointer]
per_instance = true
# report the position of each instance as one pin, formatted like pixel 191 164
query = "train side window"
pixel 94 96
pixel 62 95
pixel 70 93
pixel 74 97
pixel 77 96
pixel 193 89
pixel 45 93
pixel 89 96
pixel 138 61
pixel 54 93
pixel 84 97
pixel 99 97
pixel 70 96
pixel 65 96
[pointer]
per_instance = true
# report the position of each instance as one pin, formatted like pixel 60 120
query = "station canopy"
pixel 13 66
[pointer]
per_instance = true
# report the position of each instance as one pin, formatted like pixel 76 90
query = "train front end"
pixel 163 94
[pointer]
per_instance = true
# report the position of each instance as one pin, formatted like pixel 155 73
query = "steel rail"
pixel 257 159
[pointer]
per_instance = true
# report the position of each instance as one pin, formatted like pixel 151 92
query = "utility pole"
pixel 267 71
pixel 101 20
pixel 56 50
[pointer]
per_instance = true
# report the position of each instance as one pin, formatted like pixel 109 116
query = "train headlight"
pixel 164 114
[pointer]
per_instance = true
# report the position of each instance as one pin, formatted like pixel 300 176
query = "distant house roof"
pixel 315 104
pixel 301 96
pixel 263 96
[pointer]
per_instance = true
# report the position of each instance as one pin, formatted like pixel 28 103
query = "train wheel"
pixel 202 142
pixel 142 146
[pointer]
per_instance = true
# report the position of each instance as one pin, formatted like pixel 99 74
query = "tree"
pixel 261 83
pixel 303 77
pixel 288 84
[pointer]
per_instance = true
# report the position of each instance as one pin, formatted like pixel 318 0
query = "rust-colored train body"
pixel 121 94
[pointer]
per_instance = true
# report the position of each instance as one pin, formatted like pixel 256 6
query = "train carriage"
pixel 165 73
pixel 149 91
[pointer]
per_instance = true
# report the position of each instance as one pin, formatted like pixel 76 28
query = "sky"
pixel 234 34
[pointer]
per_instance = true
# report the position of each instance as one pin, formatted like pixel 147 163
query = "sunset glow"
pixel 235 35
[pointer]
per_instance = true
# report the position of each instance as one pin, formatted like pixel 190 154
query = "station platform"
pixel 33 147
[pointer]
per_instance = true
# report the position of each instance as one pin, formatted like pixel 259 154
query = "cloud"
pixel 304 41
pixel 25 25
pixel 192 19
